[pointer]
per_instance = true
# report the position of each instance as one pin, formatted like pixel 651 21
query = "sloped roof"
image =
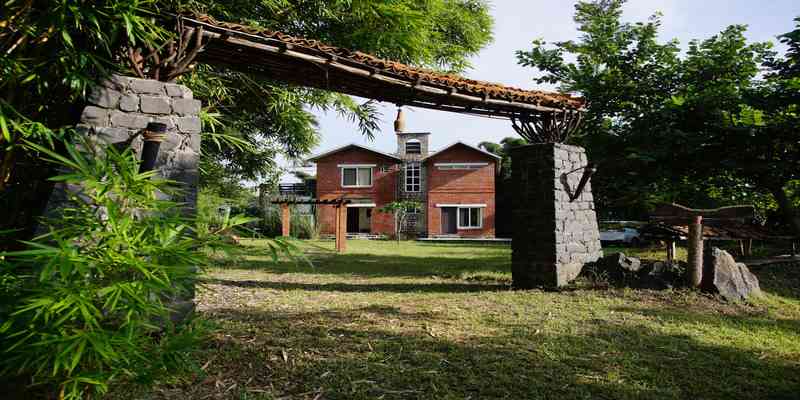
pixel 448 147
pixel 349 146
pixel 311 63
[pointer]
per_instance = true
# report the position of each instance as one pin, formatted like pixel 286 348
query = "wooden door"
pixel 449 223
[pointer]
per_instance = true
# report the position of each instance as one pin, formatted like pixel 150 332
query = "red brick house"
pixel 455 186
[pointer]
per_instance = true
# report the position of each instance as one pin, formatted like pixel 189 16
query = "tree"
pixel 669 128
pixel 401 209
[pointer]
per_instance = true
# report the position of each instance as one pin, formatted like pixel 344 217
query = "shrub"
pixel 92 296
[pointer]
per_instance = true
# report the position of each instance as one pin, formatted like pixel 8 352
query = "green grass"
pixel 428 321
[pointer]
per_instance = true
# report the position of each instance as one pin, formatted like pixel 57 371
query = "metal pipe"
pixel 153 135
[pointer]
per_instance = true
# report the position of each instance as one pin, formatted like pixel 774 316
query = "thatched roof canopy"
pixel 308 62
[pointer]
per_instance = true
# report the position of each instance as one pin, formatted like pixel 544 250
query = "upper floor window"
pixel 460 166
pixel 412 177
pixel 413 146
pixel 356 176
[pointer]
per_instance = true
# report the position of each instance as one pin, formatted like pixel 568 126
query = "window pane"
pixel 348 176
pixel 364 176
pixel 463 217
pixel 475 217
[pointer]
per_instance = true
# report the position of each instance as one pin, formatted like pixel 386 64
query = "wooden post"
pixel 286 220
pixel 694 273
pixel 671 252
pixel 341 228
pixel 749 248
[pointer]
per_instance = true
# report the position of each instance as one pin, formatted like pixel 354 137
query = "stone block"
pixel 117 82
pixel 147 86
pixel 186 106
pixel 129 102
pixel 189 124
pixel 95 116
pixel 104 97
pixel 179 91
pixel 129 120
pixel 112 135
pixel 155 105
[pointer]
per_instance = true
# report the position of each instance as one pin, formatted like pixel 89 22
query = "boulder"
pixel 619 264
pixel 724 276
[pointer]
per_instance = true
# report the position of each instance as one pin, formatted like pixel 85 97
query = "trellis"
pixel 339 204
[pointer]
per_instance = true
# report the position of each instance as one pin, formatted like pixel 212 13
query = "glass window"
pixel 412 177
pixel 460 166
pixel 356 176
pixel 470 217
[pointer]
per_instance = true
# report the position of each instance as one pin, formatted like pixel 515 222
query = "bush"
pixel 92 297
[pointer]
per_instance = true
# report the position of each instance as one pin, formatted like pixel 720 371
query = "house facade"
pixel 455 186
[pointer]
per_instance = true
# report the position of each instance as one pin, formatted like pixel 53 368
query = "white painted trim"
pixel 495 156
pixel 474 164
pixel 358 165
pixel 361 205
pixel 462 205
pixel 338 149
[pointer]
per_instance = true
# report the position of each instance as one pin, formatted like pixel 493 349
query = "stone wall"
pixel 553 236
pixel 121 107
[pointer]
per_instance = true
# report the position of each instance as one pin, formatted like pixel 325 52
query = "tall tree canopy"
pixel 702 128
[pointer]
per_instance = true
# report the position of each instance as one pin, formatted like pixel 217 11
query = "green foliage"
pixel 702 129
pixel 94 292
pixel 400 209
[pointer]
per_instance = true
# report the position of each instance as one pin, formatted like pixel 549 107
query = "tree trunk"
pixel 790 214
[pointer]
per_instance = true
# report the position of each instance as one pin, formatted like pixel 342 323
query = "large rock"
pixel 731 280
pixel 619 264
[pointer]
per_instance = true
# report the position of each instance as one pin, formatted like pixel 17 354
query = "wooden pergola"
pixel 339 204
pixel 539 116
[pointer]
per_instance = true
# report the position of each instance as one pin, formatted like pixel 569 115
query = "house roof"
pixel 448 147
pixel 349 146
pixel 312 63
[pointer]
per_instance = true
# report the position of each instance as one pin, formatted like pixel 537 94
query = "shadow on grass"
pixel 779 279
pixel 494 263
pixel 445 287
pixel 381 352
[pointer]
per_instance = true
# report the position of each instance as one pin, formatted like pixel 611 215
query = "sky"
pixel 518 22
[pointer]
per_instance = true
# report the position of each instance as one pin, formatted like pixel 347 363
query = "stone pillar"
pixel 553 236
pixel 286 220
pixel 120 107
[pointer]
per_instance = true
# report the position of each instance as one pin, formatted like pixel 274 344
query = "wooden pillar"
pixel 694 272
pixel 286 220
pixel 671 251
pixel 341 228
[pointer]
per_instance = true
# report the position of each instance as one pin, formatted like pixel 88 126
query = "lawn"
pixel 436 321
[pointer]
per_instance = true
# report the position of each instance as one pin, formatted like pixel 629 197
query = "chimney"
pixel 400 121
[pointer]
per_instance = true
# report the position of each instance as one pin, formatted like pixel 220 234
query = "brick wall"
pixel 382 191
pixel 474 186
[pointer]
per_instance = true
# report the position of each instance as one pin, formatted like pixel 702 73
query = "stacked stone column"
pixel 121 107
pixel 554 236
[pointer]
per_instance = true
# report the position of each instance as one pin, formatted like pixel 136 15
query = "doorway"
pixel 449 223
pixel 359 220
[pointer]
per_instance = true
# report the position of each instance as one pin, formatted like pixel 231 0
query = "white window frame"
pixel 460 166
pixel 419 178
pixel 356 167
pixel 467 227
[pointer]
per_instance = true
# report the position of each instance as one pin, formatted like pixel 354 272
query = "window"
pixel 470 218
pixel 356 176
pixel 460 166
pixel 412 177
pixel 412 210
pixel 413 146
